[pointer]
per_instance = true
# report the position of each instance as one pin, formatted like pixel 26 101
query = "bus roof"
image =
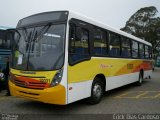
pixel 91 21
pixel 102 25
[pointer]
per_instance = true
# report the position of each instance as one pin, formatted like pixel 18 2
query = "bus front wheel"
pixel 96 91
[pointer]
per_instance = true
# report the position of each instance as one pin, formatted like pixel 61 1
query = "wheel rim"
pixel 140 79
pixel 97 90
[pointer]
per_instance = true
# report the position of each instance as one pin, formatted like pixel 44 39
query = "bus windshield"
pixel 39 48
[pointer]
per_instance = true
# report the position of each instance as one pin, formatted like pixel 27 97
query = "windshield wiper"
pixel 43 30
pixel 33 37
pixel 37 36
pixel 25 33
pixel 28 41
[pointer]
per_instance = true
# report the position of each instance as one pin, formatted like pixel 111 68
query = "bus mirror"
pixel 17 34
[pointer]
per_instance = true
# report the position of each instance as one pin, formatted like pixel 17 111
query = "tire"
pixel 140 80
pixel 149 77
pixel 97 91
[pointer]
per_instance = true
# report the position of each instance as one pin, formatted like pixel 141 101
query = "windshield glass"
pixel 39 48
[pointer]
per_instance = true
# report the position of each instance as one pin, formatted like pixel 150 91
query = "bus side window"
pixel 2 39
pixel 126 47
pixel 9 39
pixel 1 42
pixel 150 52
pixel 146 52
pixel 72 37
pixel 79 44
pixel 141 51
pixel 100 43
pixel 114 45
pixel 134 49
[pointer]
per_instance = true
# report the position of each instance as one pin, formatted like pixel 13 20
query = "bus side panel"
pixel 78 91
pixel 121 80
pixel 147 67
pixel 147 73
pixel 118 72
pixel 80 77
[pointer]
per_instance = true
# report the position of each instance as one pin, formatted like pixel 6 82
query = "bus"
pixel 5 52
pixel 61 57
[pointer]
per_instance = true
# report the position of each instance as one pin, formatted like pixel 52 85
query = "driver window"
pixel 79 44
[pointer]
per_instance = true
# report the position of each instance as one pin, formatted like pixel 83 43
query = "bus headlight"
pixel 57 78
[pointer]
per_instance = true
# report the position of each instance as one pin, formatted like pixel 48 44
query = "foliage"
pixel 145 25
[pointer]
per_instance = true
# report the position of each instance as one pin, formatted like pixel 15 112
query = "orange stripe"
pixel 31 80
pixel 137 66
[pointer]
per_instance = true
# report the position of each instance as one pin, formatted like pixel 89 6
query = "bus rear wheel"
pixel 96 91
pixel 139 83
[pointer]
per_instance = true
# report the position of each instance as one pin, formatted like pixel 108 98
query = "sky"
pixel 114 13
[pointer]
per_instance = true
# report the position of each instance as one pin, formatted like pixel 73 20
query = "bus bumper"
pixel 54 95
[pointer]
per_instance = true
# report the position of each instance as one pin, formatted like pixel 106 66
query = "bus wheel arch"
pixel 97 89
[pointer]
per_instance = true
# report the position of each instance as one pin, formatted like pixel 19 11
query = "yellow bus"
pixel 61 57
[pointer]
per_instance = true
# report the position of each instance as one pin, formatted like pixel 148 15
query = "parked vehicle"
pixel 6 37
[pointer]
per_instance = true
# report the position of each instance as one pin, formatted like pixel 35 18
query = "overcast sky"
pixel 114 13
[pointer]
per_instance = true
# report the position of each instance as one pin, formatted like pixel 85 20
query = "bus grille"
pixel 32 85
pixel 27 84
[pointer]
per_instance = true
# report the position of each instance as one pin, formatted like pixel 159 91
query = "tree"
pixel 145 25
